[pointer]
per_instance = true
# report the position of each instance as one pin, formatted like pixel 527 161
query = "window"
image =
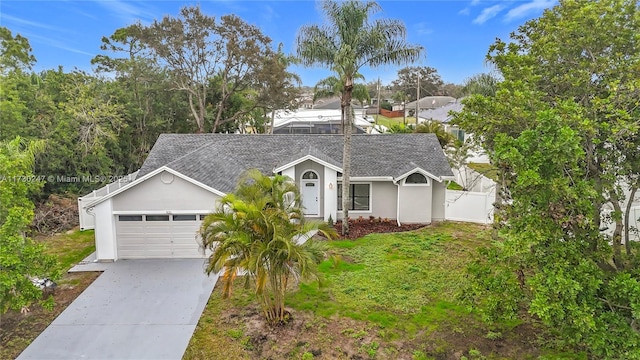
pixel 202 217
pixel 184 218
pixel 129 217
pixel 360 197
pixel 310 175
pixel 157 217
pixel 416 179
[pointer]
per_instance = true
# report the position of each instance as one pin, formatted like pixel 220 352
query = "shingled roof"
pixel 218 160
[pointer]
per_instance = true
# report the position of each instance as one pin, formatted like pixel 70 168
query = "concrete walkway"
pixel 137 309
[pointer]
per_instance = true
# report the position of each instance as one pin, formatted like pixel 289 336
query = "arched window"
pixel 416 179
pixel 310 175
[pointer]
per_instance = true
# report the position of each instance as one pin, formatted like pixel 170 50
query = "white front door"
pixel 310 193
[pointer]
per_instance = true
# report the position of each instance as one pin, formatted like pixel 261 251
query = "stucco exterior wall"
pixel 105 231
pixel 383 201
pixel 165 191
pixel 438 203
pixel 415 203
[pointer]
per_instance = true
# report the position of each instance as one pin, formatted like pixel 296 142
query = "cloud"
pixel 126 11
pixel 422 29
pixel 31 23
pixel 467 9
pixel 528 8
pixel 60 44
pixel 488 13
pixel 269 14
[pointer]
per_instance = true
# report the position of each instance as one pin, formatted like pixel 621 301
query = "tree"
pixel 278 88
pixel 345 44
pixel 562 128
pixel 407 81
pixel 196 49
pixel 434 127
pixel 256 229
pixel 333 86
pixel 20 257
pixel 481 84
pixel 15 51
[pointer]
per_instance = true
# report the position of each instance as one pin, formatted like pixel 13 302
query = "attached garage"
pixel 151 236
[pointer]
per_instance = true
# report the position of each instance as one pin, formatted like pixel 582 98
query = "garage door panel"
pixel 158 239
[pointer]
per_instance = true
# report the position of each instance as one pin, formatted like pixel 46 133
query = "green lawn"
pixel 384 296
pixel 383 120
pixel 70 248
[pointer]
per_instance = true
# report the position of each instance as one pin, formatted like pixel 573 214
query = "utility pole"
pixel 378 100
pixel 417 100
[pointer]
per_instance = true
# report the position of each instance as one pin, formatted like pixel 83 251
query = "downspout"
pixel 397 203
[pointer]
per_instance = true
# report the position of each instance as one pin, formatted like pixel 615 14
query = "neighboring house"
pixel 313 121
pixel 426 103
pixel 443 115
pixel 335 103
pixel 157 215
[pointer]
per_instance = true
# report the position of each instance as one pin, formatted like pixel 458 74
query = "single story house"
pixel 314 121
pixel 158 214
pixel 425 103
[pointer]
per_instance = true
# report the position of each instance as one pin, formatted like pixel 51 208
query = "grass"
pixel 17 330
pixel 382 296
pixel 386 121
pixel 70 248
pixel 403 281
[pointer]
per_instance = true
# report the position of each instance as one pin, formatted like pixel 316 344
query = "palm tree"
pixel 333 86
pixel 347 43
pixel 435 127
pixel 257 230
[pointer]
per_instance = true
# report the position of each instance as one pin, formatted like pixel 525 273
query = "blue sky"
pixel 455 33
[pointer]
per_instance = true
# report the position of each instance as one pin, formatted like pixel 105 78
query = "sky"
pixel 456 34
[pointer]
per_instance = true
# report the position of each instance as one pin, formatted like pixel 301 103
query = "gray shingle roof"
pixel 442 113
pixel 431 102
pixel 218 160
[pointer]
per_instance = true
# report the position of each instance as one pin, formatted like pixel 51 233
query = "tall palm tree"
pixel 333 86
pixel 345 44
pixel 257 230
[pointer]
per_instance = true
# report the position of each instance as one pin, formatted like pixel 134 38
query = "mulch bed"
pixel 364 226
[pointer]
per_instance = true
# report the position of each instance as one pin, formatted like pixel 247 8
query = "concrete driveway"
pixel 137 309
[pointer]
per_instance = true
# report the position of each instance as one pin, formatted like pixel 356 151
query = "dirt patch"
pixel 346 338
pixel 18 330
pixel 361 226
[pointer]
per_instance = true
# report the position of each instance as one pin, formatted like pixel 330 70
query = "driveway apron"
pixel 137 309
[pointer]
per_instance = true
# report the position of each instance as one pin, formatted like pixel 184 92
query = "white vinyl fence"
pixel 86 217
pixel 469 206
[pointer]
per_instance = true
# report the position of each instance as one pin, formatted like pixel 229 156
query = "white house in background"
pixel 444 116
pixel 158 214
pixel 315 121
pixel 425 103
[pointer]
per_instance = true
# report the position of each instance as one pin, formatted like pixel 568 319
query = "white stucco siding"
pixel 165 191
pixel 105 231
pixel 383 201
pixel 438 204
pixel 415 203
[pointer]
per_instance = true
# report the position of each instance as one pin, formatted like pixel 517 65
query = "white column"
pixel 330 194
pixel 105 232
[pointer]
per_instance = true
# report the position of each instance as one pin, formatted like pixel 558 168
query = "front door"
pixel 310 194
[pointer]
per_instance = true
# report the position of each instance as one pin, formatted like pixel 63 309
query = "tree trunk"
pixel 617 233
pixel 273 119
pixel 627 213
pixel 196 116
pixel 346 154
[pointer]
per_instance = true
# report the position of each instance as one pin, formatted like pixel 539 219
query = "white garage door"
pixel 158 236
